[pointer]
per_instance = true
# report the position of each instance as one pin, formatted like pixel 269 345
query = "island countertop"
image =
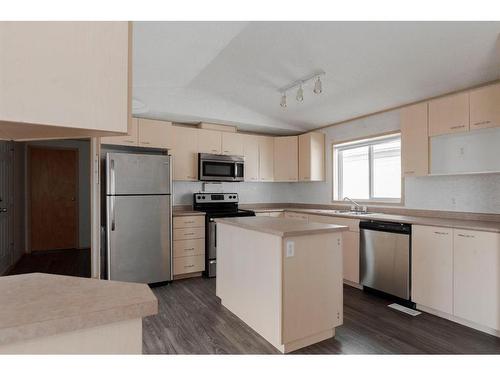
pixel 281 226
pixel 38 305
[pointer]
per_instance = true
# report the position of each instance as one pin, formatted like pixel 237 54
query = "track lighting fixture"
pixel 300 94
pixel 299 84
pixel 283 100
pixel 318 87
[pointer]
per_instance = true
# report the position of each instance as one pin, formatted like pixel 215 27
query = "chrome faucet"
pixel 358 207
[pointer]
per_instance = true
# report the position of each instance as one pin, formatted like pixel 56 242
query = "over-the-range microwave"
pixel 220 167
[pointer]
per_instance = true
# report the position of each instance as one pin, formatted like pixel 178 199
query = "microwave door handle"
pixel 235 171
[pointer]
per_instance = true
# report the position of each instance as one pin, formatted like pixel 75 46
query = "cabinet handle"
pixel 409 172
pixel 189 266
pixel 190 249
pixel 129 141
pixel 145 143
pixel 189 234
pixel 466 235
pixel 441 233
pixel 457 127
pixel 482 122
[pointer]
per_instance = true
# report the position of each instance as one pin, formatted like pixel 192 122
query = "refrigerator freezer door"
pixel 137 174
pixel 138 236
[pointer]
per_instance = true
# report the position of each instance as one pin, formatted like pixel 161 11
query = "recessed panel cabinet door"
pixel 449 114
pixel 477 277
pixel 124 140
pixel 251 154
pixel 266 158
pixel 156 134
pixel 414 140
pixel 432 267
pixel 232 143
pixel 209 141
pixel 286 158
pixel 485 107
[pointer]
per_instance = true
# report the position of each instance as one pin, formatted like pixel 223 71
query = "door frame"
pixel 28 192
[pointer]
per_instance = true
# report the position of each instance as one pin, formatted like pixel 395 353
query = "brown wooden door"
pixel 54 198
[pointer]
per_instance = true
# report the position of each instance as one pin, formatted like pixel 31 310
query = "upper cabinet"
pixel 209 141
pixel 266 158
pixel 485 107
pixel 232 143
pixel 312 157
pixel 125 140
pixel 286 158
pixel 414 140
pixel 185 153
pixel 64 79
pixel 154 133
pixel 251 154
pixel 449 114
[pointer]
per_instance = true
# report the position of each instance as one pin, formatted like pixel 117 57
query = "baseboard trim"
pixel 461 321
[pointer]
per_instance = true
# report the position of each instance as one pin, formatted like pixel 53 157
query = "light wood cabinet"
pixel 350 244
pixel 232 144
pixel 476 281
pixel 251 154
pixel 64 79
pixel 185 153
pixel 266 158
pixel 414 140
pixel 286 158
pixel 188 245
pixel 432 267
pixel 312 157
pixel 449 114
pixel 209 141
pixel 155 134
pixel 124 140
pixel 485 107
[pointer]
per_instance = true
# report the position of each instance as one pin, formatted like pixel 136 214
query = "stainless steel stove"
pixel 216 205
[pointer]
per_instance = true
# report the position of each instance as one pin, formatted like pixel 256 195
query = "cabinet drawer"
pixel 189 221
pixel 188 233
pixel 195 263
pixel 184 248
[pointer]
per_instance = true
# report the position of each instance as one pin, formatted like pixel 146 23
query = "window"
pixel 369 169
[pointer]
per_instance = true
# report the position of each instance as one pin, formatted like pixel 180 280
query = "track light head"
pixel 283 100
pixel 318 86
pixel 300 94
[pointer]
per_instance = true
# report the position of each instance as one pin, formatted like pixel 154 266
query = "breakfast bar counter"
pixel 283 277
pixel 53 314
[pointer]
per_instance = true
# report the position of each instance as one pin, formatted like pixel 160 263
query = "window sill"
pixel 370 202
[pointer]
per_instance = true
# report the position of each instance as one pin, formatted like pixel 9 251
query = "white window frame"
pixel 337 167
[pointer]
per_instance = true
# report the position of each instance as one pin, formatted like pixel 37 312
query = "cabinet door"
pixel 286 158
pixel 155 134
pixel 124 140
pixel 414 140
pixel 432 267
pixel 185 153
pixel 209 141
pixel 266 158
pixel 485 107
pixel 477 277
pixel 449 114
pixel 232 144
pixel 251 154
pixel 312 157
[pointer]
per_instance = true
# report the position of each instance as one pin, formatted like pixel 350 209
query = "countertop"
pixel 38 305
pixel 488 226
pixel 182 212
pixel 280 226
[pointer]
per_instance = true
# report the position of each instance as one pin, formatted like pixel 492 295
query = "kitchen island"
pixel 282 277
pixel 53 314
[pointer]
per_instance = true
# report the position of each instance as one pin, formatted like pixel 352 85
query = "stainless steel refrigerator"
pixel 138 217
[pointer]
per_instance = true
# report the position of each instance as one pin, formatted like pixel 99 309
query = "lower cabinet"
pixel 350 244
pixel 188 246
pixel 476 281
pixel 432 267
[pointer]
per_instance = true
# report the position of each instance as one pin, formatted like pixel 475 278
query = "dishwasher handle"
pixel 386 226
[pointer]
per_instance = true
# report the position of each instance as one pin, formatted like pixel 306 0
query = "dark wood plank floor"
pixel 191 320
pixel 70 262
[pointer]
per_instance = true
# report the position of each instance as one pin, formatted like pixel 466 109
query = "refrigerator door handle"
pixel 112 209
pixel 112 177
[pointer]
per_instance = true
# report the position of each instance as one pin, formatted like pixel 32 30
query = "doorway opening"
pixel 55 200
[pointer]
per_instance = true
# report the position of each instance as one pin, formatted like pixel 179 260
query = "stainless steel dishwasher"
pixel 385 256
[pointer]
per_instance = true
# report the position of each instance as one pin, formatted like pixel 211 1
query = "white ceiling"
pixel 230 72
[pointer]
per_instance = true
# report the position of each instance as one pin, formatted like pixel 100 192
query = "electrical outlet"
pixel 290 249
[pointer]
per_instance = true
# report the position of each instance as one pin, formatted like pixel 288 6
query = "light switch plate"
pixel 290 249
